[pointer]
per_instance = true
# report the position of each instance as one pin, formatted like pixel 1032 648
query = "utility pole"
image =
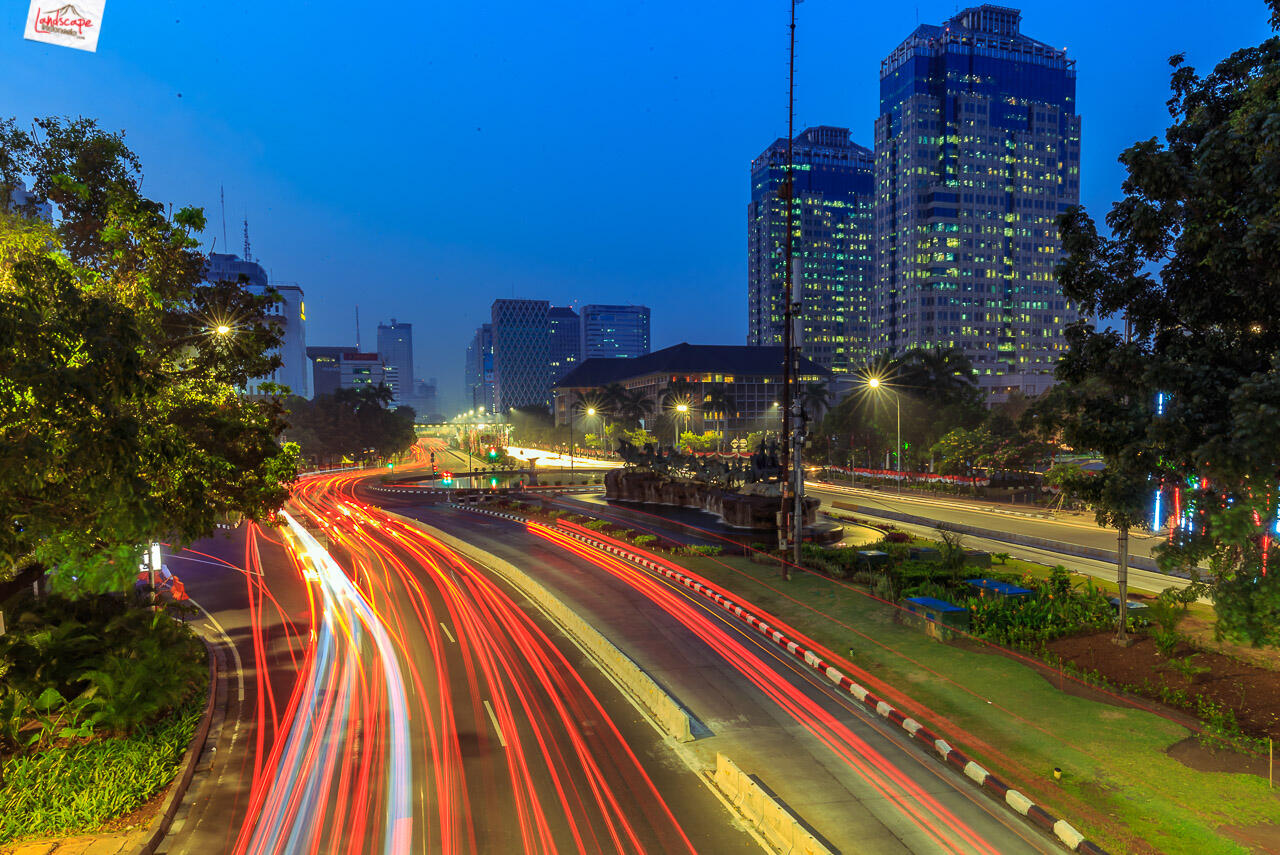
pixel 787 194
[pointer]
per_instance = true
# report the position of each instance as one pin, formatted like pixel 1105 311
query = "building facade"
pixel 611 332
pixel 977 151
pixel 478 375
pixel 749 378
pixel 290 312
pixel 565 330
pixel 833 220
pixel 395 346
pixel 326 369
pixel 521 353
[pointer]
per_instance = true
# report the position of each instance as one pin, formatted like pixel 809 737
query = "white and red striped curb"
pixel 1068 835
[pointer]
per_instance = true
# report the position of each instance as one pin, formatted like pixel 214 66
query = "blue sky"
pixel 422 160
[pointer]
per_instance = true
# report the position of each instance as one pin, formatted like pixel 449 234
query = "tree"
pixel 355 424
pixel 958 451
pixel 717 402
pixel 120 418
pixel 1192 265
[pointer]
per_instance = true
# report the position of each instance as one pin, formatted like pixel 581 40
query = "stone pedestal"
pixel 740 510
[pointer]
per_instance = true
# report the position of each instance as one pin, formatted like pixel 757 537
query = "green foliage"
pixel 98 663
pixel 706 442
pixel 355 424
pixel 699 549
pixel 81 785
pixel 120 421
pixel 1052 611
pixel 1191 264
pixel 644 539
pixel 597 525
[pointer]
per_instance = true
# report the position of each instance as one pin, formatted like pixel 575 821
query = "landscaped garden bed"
pixel 99 700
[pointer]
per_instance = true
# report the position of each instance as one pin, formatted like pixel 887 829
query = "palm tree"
pixel 631 406
pixel 717 401
pixel 815 398
pixel 944 373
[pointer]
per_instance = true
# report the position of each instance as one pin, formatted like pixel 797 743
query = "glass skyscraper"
pixel 521 353
pixel 565 330
pixel 610 332
pixel 833 219
pixel 395 346
pixel 977 151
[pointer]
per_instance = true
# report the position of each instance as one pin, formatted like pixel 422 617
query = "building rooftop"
pixel 991 27
pixel 685 358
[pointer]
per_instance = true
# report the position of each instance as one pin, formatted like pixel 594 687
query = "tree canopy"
pixel 120 416
pixel 1191 262
pixel 355 424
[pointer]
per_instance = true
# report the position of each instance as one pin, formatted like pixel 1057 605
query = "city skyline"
pixel 347 236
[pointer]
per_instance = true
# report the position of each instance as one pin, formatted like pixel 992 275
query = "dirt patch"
pixel 1264 837
pixel 1250 691
pixel 1203 758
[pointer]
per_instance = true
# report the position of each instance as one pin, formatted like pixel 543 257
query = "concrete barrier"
pixel 1141 562
pixel 674 720
pixel 775 822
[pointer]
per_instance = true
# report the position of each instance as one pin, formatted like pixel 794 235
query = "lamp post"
pixel 571 444
pixel 874 384
pixel 591 412
pixel 683 410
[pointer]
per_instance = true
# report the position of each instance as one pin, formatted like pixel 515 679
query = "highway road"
pixel 387 694
pixel 398 699
pixel 864 787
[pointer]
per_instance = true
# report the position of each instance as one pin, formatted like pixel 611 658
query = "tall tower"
pixel 977 152
pixel 832 218
pixel 395 347
pixel 521 353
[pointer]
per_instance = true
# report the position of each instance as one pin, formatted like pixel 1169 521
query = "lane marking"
pixel 226 639
pixel 449 635
pixel 493 718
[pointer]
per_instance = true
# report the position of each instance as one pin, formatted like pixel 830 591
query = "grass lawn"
pixel 1119 787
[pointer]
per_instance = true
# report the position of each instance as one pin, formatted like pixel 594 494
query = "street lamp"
pixel 874 384
pixel 591 412
pixel 683 410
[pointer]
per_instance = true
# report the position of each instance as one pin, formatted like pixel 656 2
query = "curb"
pixel 1061 829
pixel 160 825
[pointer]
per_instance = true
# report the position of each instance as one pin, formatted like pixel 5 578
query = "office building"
pixel 478 377
pixel 24 202
pixel 833 219
pixel 749 376
pixel 610 332
pixel 521 353
pixel 326 369
pixel 565 345
pixel 290 312
pixel 977 152
pixel 395 346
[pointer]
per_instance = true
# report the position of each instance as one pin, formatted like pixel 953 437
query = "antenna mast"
pixel 357 327
pixel 247 256
pixel 222 198
pixel 790 449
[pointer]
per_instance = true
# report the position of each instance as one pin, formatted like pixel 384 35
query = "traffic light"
pixel 492 453
pixel 447 479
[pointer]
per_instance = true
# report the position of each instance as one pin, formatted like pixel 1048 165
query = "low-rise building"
pixel 736 389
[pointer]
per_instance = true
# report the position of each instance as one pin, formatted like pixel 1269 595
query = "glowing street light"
pixel 875 384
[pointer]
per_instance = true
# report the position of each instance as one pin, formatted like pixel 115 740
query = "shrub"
pixel 644 539
pixel 597 525
pixel 897 537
